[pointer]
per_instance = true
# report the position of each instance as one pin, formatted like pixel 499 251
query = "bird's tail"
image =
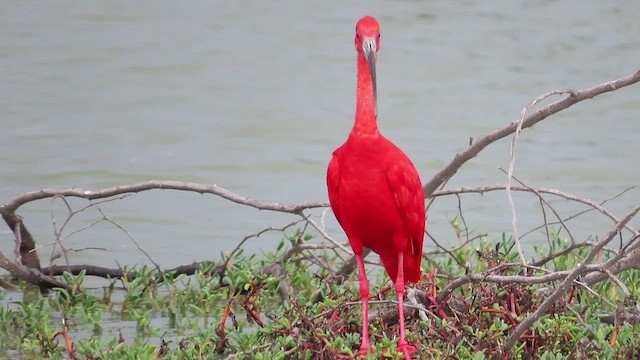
pixel 412 260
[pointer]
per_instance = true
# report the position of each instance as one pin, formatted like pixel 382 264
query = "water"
pixel 255 96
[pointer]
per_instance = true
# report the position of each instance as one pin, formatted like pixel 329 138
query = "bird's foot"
pixel 406 349
pixel 364 349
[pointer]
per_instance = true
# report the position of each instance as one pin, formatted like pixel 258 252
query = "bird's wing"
pixel 404 183
pixel 333 182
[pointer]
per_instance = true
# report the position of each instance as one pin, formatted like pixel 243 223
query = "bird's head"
pixel 367 38
pixel 367 43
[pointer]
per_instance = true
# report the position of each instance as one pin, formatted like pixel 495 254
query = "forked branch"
pixel 574 97
pixel 565 285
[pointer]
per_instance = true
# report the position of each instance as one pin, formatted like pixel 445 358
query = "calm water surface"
pixel 254 96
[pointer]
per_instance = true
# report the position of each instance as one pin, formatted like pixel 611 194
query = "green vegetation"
pixel 240 313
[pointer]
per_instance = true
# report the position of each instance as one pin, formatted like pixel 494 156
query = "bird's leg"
pixel 403 346
pixel 364 295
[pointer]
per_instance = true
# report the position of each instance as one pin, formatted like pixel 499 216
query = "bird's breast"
pixel 367 205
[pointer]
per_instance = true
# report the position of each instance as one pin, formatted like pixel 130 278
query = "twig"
pixel 512 162
pixel 251 236
pixel 108 219
pixel 544 202
pixel 17 253
pixel 324 233
pixel 617 281
pixel 542 190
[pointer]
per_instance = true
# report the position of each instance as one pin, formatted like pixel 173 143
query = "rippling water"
pixel 255 96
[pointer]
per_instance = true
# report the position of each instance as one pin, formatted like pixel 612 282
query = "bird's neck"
pixel 366 122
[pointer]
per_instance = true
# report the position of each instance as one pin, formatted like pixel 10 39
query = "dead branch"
pixel 119 273
pixel 533 189
pixel 14 204
pixel 566 283
pixel 31 275
pixel 610 318
pixel 615 265
pixel 574 97
pixel 24 241
pixel 26 244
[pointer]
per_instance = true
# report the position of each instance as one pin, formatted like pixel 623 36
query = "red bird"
pixel 375 191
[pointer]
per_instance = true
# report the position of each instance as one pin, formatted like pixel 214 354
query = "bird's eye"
pixel 378 36
pixel 357 36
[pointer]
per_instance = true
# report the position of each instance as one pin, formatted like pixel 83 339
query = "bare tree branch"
pixel 534 189
pixel 566 284
pixel 31 275
pixel 99 271
pixel 541 114
pixel 14 204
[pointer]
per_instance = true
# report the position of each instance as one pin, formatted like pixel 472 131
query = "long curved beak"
pixel 369 49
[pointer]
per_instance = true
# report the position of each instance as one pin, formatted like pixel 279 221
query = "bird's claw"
pixel 406 349
pixel 364 349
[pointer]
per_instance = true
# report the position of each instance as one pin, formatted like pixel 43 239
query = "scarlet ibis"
pixel 375 191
